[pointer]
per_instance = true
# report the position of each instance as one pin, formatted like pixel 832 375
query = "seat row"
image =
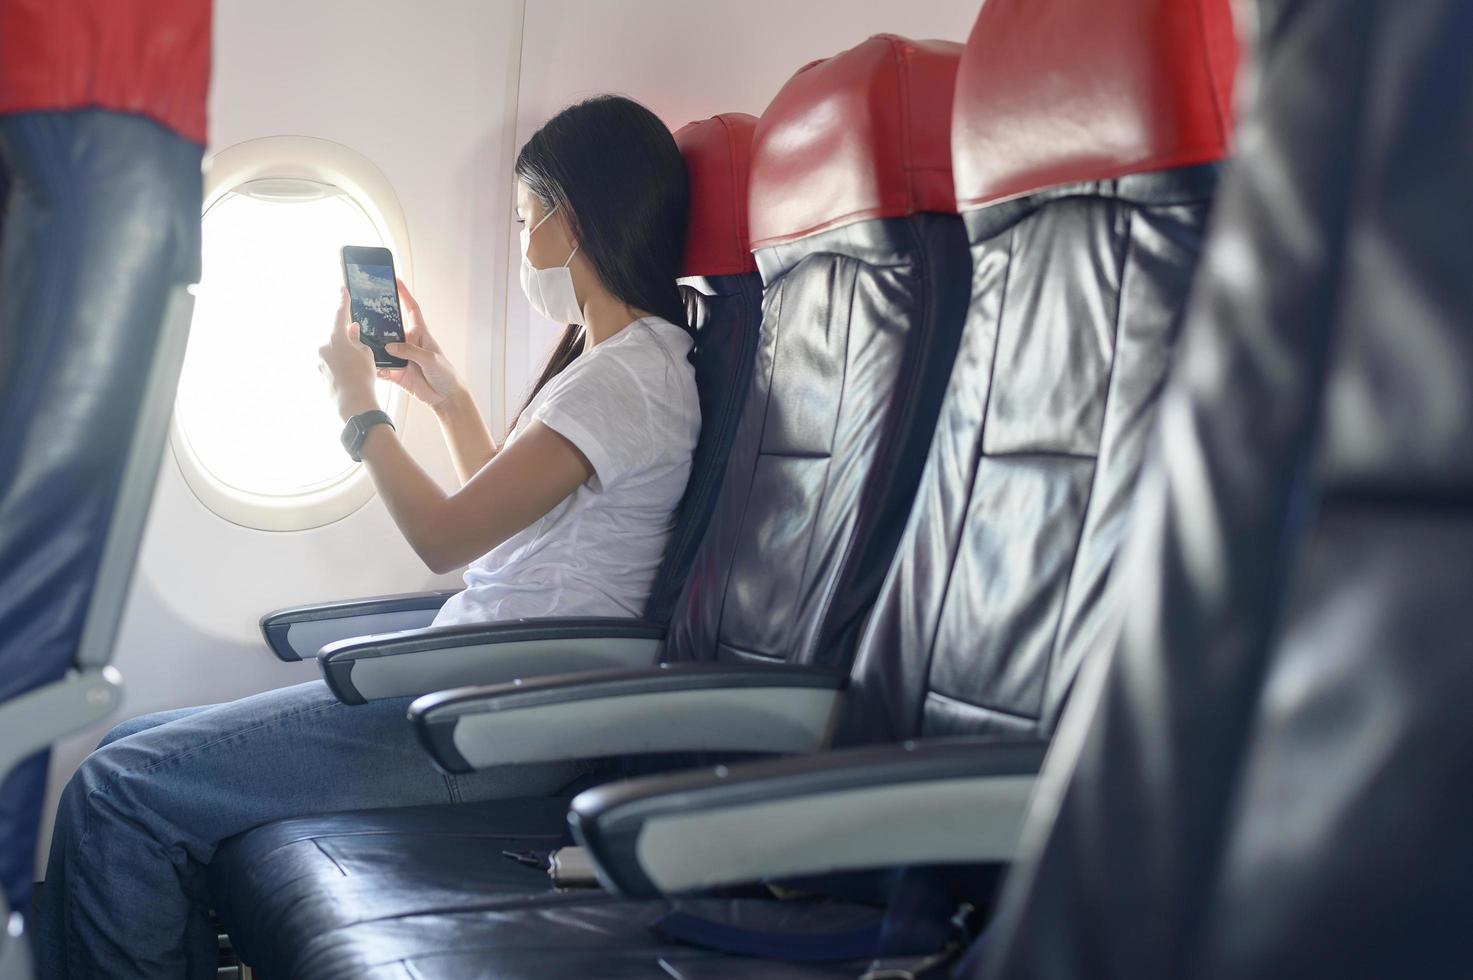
pixel 1258 772
pixel 917 465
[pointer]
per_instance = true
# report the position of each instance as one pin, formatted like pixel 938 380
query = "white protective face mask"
pixel 550 291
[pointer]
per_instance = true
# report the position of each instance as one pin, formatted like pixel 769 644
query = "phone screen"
pixel 374 301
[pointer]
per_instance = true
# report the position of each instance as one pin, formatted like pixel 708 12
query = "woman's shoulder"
pixel 648 358
pixel 639 335
pixel 655 353
pixel 651 346
pixel 638 387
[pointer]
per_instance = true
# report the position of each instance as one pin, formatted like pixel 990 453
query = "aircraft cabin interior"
pixel 696 490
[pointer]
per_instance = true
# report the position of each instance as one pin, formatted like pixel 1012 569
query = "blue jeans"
pixel 125 891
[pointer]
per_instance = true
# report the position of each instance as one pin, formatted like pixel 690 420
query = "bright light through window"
pixel 253 407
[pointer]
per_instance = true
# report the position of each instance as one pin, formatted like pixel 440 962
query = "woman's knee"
pixel 103 791
pixel 123 729
pixel 80 792
pixel 145 722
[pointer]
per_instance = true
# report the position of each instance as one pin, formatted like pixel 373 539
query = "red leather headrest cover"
pixel 864 134
pixel 1057 91
pixel 150 57
pixel 718 157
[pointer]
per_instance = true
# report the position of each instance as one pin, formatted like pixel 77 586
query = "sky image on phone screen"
pixel 375 307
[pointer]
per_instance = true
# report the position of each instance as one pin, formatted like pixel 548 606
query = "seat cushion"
pixel 285 885
pixel 573 937
pixel 428 892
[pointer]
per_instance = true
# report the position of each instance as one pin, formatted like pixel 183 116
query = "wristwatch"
pixel 357 430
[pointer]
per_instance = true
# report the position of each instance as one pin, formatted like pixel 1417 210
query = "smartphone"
pixel 373 297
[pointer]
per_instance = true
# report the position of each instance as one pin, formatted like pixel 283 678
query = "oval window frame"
pixel 304 158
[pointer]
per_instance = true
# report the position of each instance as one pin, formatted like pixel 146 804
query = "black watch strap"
pixel 357 430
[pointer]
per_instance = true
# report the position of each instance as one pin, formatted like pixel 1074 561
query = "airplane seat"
pixel 1270 779
pixel 1081 278
pixel 723 296
pixel 102 145
pixel 1086 192
pixel 6 342
pixel 865 270
pixel 1084 251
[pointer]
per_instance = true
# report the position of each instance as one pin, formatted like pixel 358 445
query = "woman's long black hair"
pixel 615 172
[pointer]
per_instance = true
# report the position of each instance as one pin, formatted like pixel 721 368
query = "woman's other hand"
pixel 348 365
pixel 428 376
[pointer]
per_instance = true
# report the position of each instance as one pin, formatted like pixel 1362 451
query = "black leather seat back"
pixel 96 251
pixel 865 270
pixel 723 295
pixel 7 339
pixel 101 126
pixel 1271 779
pixel 998 592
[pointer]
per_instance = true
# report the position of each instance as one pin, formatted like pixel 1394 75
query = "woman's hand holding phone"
pixel 428 376
pixel 348 365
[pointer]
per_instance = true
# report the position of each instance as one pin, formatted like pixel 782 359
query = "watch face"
pixel 356 431
pixel 351 438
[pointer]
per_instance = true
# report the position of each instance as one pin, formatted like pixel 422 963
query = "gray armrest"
pixel 954 801
pixel 31 721
pixel 368 668
pixel 299 632
pixel 672 708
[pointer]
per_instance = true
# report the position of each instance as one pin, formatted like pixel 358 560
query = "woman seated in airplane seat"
pixel 569 514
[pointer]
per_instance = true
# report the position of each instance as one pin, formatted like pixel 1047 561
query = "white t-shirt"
pixel 629 404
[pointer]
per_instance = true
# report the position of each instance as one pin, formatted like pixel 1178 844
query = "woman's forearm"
pixel 470 443
pixel 415 501
pixel 449 530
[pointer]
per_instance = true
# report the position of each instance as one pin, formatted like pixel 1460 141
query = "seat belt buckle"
pixel 531 859
pixel 571 867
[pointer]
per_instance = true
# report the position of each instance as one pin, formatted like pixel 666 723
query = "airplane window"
pixel 255 433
